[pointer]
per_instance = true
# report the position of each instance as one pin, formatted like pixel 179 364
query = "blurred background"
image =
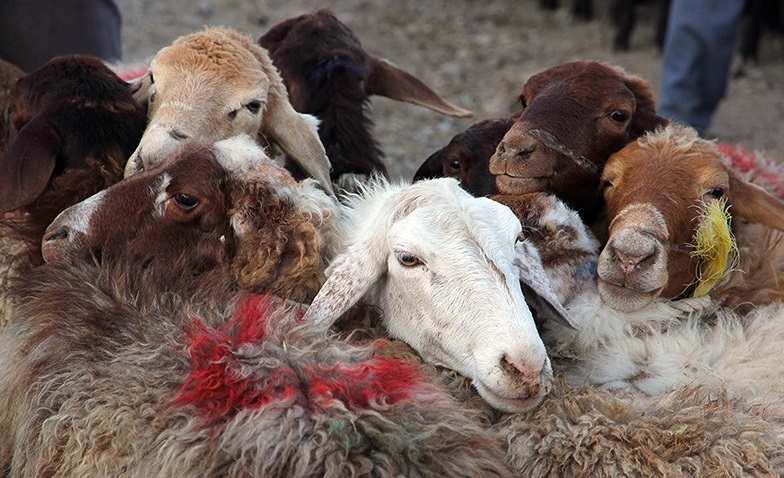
pixel 478 54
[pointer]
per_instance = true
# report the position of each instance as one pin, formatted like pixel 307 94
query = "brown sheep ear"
pixel 645 118
pixel 28 164
pixel 386 79
pixel 272 38
pixel 433 167
pixel 754 204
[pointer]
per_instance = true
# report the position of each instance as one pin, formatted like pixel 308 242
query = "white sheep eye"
pixel 407 259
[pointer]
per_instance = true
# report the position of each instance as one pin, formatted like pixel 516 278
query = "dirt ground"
pixel 477 54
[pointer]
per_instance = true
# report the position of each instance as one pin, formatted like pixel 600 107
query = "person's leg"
pixel 698 50
pixel 34 31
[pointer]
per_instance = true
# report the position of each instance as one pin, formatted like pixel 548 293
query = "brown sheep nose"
pixel 631 260
pixel 511 152
pixel 529 379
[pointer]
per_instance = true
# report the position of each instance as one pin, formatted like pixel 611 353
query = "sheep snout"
pixel 529 380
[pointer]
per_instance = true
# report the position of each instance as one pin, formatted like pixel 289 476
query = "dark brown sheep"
pixel 329 75
pixel 467 157
pixel 575 115
pixel 71 125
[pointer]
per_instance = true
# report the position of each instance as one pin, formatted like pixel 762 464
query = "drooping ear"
pixel 386 79
pixel 645 117
pixel 353 272
pixel 754 204
pixel 296 133
pixel 537 286
pixel 28 164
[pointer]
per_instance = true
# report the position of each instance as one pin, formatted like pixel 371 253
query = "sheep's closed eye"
pixel 407 259
pixel 185 201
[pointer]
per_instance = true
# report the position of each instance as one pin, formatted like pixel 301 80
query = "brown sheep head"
pixel 575 115
pixel 68 113
pixel 330 75
pixel 655 189
pixel 467 156
pixel 208 207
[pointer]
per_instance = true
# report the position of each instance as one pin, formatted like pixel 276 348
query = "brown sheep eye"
pixel 454 165
pixel 185 201
pixel 717 193
pixel 523 103
pixel 407 259
pixel 619 116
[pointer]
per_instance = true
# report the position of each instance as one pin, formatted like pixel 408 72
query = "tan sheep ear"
pixel 28 164
pixel 754 204
pixel 536 285
pixel 386 79
pixel 297 136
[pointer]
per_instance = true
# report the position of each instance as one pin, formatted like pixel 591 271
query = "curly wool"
pixel 93 360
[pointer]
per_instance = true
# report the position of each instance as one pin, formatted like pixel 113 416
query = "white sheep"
pixel 445 269
pixel 214 84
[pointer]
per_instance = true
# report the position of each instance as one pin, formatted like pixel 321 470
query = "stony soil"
pixel 475 53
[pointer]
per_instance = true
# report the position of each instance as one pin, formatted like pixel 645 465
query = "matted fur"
pixel 94 357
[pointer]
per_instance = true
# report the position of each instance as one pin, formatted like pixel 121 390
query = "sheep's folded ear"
pixel 277 33
pixel 537 286
pixel 754 204
pixel 350 276
pixel 28 164
pixel 386 79
pixel 296 134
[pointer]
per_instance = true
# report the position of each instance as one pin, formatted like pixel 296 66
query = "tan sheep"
pixel 218 83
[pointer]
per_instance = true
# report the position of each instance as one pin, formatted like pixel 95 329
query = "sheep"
pixel 574 116
pixel 110 369
pixel 226 201
pixel 72 124
pixel 467 157
pixel 330 75
pixel 445 268
pixel 678 387
pixel 214 84
pixel 656 189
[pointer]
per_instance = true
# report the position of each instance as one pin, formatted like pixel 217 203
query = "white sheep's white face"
pixel 187 98
pixel 452 292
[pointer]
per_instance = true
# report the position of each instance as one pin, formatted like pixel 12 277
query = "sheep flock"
pixel 213 263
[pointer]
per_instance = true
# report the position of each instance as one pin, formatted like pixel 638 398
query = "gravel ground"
pixel 477 54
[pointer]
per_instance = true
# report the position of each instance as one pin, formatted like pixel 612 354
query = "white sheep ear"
pixel 350 276
pixel 534 278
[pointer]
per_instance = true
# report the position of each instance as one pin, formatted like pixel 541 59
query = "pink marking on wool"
pixel 759 168
pixel 217 390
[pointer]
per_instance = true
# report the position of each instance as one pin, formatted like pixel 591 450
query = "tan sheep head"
pixel 656 188
pixel 215 84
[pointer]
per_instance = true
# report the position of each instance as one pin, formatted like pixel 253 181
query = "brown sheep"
pixel 227 201
pixel 9 73
pixel 72 124
pixel 575 115
pixel 330 75
pixel 184 376
pixel 467 157
pixel 656 188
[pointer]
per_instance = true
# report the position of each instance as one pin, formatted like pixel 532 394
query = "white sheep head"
pixel 215 84
pixel 445 268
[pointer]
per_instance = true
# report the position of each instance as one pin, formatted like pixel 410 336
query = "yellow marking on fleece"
pixel 715 245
